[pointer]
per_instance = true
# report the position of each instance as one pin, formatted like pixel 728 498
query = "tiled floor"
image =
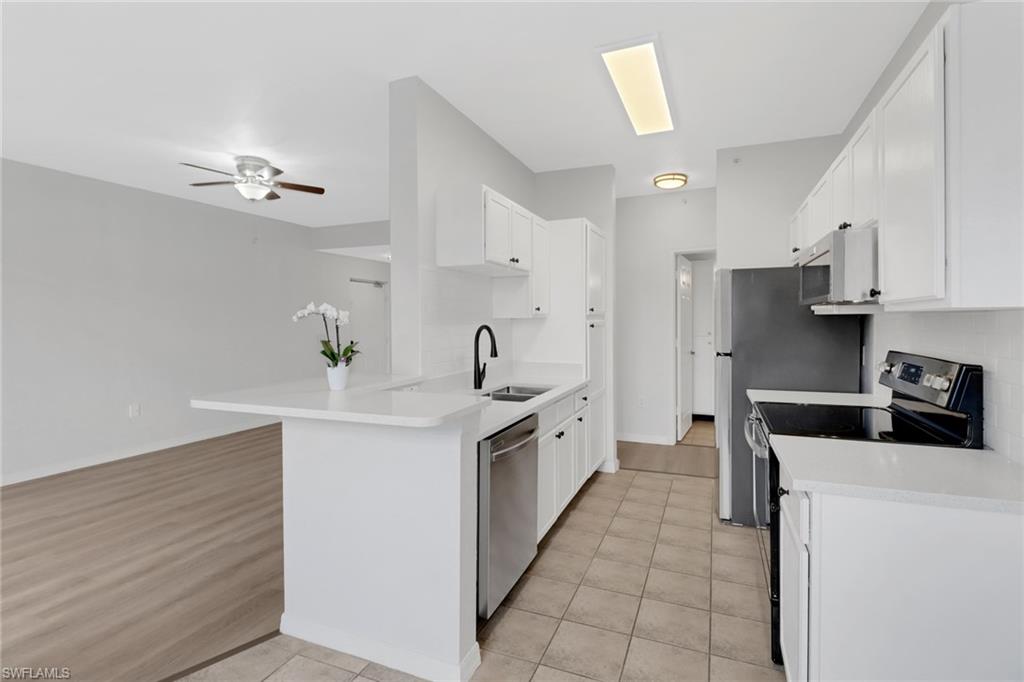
pixel 637 581
pixel 681 458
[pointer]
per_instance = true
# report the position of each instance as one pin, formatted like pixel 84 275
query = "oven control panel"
pixel 929 379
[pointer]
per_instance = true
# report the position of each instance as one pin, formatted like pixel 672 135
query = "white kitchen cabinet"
pixel 565 465
pixel 596 274
pixel 794 593
pixel 596 431
pixel 864 173
pixel 581 444
pixel 479 230
pixel 546 474
pixel 519 297
pixel 841 181
pixel 596 357
pixel 912 226
pixel 819 211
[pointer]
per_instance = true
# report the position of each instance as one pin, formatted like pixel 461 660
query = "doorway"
pixel 371 323
pixel 695 351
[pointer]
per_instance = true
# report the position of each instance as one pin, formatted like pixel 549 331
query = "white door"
pixel 912 222
pixel 565 465
pixel 596 355
pixel 864 159
pixel 497 229
pixel 684 346
pixel 370 325
pixel 546 475
pixel 540 275
pixel 820 211
pixel 522 238
pixel 842 191
pixel 794 595
pixel 703 337
pixel 581 422
pixel 595 271
pixel 596 432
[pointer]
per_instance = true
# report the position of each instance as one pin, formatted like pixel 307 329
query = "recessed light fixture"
pixel 670 180
pixel 635 73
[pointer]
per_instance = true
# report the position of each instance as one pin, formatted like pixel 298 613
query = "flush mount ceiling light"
pixel 671 180
pixel 637 78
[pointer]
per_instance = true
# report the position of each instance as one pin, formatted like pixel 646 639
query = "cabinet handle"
pixel 559 434
pixel 782 491
pixel 584 398
pixel 875 293
pixel 795 249
pixel 592 325
pixel 591 310
pixel 844 226
pixel 579 419
pixel 537 309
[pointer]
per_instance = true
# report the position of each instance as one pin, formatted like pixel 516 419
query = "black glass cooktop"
pixel 847 422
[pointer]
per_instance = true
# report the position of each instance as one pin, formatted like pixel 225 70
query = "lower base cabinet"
pixel 546 513
pixel 565 465
pixel 596 437
pixel 581 446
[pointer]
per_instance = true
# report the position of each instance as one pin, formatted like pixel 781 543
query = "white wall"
pixel 373 233
pixel 703 337
pixel 759 189
pixel 650 230
pixel 993 339
pixel 114 295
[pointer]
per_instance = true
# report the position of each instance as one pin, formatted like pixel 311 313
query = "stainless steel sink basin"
pixel 517 394
pixel 509 397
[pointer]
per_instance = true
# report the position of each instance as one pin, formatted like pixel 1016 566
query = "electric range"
pixel 934 402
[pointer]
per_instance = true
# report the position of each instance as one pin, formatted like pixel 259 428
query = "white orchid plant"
pixel 335 354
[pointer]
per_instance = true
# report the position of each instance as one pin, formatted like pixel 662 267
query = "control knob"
pixel 886 367
pixel 941 383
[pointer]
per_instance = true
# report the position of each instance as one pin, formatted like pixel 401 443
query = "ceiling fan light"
pixel 253 191
pixel 670 180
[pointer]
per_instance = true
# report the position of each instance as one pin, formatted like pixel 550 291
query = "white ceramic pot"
pixel 337 377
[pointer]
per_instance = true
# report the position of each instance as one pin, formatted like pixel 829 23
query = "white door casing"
pixel 684 346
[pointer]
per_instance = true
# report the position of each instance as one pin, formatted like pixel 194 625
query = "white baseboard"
pixel 82 463
pixel 411 662
pixel 646 438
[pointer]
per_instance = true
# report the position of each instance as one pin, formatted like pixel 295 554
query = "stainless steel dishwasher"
pixel 507 521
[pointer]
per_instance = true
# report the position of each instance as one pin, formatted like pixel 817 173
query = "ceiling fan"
pixel 254 179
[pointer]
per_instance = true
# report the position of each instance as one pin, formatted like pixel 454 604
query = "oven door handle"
pixel 751 429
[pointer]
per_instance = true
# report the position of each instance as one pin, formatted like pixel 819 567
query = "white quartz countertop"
pixel 901 472
pixel 369 399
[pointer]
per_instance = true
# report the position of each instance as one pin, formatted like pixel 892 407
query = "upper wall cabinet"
pixel 863 154
pixel 819 211
pixel 518 297
pixel 596 271
pixel 481 231
pixel 841 175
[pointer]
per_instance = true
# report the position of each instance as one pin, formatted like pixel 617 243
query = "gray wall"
pixel 114 295
pixel 355 234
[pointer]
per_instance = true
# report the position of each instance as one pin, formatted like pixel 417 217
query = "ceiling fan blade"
pixel 212 170
pixel 272 195
pixel 207 184
pixel 268 172
pixel 300 188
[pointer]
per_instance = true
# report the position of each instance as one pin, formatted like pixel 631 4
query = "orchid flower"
pixel 333 353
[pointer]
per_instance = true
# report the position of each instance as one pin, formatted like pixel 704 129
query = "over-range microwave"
pixel 841 267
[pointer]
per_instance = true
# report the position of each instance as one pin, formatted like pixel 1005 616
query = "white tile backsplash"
pixel 992 339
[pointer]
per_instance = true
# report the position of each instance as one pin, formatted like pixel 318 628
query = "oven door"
pixel 817 276
pixel 757 438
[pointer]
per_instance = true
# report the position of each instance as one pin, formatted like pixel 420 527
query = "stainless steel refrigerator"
pixel 764 338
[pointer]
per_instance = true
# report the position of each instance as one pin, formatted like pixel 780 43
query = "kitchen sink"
pixel 510 397
pixel 517 394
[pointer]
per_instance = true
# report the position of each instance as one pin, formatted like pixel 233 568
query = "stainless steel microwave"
pixel 841 267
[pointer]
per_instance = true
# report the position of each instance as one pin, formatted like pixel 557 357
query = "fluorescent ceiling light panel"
pixel 635 73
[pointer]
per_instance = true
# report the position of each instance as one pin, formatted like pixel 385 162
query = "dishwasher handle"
pixel 512 449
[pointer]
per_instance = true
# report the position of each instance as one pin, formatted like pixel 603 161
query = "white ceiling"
pixel 122 92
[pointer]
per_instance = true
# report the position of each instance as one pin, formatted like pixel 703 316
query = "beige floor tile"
pixel 678 588
pixel 578 519
pixel 728 670
pixel 495 667
pixel 741 639
pixel 742 601
pixel 644 496
pixel 603 609
pixel 649 661
pixel 541 595
pixel 681 536
pixel 682 560
pixel 673 624
pixel 718 526
pixel 691 518
pixel 551 563
pixel 737 570
pixel 701 487
pixel 638 510
pixel 625 527
pixel 381 673
pixel 627 551
pixel 571 541
pixel 587 651
pixel 678 459
pixel 689 501
pixel 609 491
pixel 321 653
pixel 546 674
pixel 620 476
pixel 597 505
pixel 616 576
pixel 518 633
pixel 302 669
pixel 254 663
pixel 736 545
pixel 650 483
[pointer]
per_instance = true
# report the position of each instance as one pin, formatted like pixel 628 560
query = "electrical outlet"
pixel 643 403
pixel 134 410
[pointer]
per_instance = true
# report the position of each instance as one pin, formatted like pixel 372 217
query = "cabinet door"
pixel 580 443
pixel 595 271
pixel 522 238
pixel 497 228
pixel 819 206
pixel 864 166
pixel 842 191
pixel 540 272
pixel 794 236
pixel 546 509
pixel 596 361
pixel 794 596
pixel 565 465
pixel 596 432
pixel 912 221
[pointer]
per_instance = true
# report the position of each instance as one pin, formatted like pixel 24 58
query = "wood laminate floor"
pixel 145 567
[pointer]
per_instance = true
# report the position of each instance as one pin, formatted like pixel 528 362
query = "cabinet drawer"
pixel 564 409
pixel 795 505
pixel 581 399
